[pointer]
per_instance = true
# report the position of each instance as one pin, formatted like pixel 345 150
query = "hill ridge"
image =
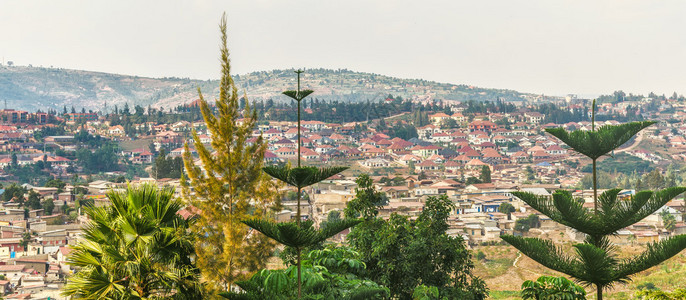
pixel 33 88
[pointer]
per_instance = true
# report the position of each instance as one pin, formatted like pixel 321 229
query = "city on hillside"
pixel 476 153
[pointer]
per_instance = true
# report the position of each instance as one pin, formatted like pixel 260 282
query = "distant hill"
pixel 33 88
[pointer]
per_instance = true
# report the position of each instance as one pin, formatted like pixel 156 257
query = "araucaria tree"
pixel 136 248
pixel 300 234
pixel 228 186
pixel 595 261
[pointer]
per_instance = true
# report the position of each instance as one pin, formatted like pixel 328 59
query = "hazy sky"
pixel 548 46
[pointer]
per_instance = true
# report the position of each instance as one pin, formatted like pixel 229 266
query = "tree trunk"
pixel 599 292
pixel 299 279
pixel 595 187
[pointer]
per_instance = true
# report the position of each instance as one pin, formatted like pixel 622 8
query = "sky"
pixel 550 47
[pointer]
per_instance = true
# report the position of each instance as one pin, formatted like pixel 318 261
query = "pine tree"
pixel 485 175
pixel 596 261
pixel 300 234
pixel 228 187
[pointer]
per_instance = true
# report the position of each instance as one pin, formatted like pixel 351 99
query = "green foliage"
pixel 654 294
pixel 34 200
pixel 303 176
pixel 366 200
pixel 668 220
pixel 506 208
pixel 59 184
pixel 596 143
pixel 48 206
pixel 485 176
pixel 523 225
pixel 403 131
pixel 14 191
pixel 331 273
pixel 136 248
pixel 595 262
pixel 167 167
pixel 621 163
pixel 299 235
pixel 423 292
pixel 480 255
pixel 103 159
pixel 552 288
pixel 402 254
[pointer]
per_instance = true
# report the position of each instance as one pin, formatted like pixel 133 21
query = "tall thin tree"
pixel 227 185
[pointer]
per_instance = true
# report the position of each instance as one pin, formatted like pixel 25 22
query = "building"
pixel 13 116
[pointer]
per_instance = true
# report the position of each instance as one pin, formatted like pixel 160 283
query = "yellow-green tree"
pixel 227 185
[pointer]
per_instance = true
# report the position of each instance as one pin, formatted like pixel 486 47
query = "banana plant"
pixel 596 261
pixel 299 234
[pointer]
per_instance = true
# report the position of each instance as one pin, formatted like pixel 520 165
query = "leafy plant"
pixel 331 273
pixel 654 294
pixel 136 248
pixel 402 254
pixel 595 262
pixel 552 288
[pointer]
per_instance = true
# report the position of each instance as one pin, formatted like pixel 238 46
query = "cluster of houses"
pixel 513 146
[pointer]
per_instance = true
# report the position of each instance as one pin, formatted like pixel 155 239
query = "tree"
pixel 300 235
pixel 506 208
pixel 595 261
pixel 14 191
pixel 549 287
pixel 402 254
pixel 229 188
pixel 59 184
pixel 523 225
pixel 48 206
pixel 668 220
pixel 136 248
pixel 485 176
pixel 34 200
pixel 25 240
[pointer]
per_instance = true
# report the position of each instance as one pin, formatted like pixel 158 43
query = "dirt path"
pixel 637 141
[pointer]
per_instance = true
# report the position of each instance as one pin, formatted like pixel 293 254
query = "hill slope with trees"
pixel 33 88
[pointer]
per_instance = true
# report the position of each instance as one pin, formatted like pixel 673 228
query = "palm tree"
pixel 136 248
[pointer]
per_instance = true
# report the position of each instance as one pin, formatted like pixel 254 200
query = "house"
pixel 482 125
pixel 116 131
pixel 426 165
pixel 438 118
pixel 375 163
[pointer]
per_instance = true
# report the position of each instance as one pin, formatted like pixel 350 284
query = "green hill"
pixel 33 88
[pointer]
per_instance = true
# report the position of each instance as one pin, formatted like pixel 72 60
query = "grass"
pixel 504 280
pixel 504 295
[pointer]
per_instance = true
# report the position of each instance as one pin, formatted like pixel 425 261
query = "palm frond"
pixel 655 254
pixel 599 142
pixel 544 252
pixel 302 176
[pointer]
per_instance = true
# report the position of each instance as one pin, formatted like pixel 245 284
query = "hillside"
pixel 33 88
